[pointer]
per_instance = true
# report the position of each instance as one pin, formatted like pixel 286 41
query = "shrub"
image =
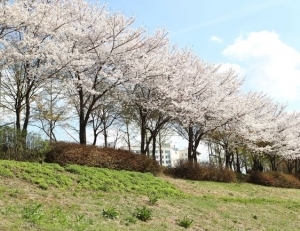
pixel 256 177
pixel 185 222
pixel 274 179
pixel 195 171
pixel 71 153
pixel 143 213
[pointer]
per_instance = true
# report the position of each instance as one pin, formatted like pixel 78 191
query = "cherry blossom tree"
pixel 35 44
pixel 203 99
pixel 146 96
pixel 110 42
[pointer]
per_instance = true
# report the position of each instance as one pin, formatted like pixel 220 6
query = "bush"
pixel 143 213
pixel 195 171
pixel 256 177
pixel 274 179
pixel 71 153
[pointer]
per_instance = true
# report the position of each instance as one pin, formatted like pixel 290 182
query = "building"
pixel 170 155
pixel 183 154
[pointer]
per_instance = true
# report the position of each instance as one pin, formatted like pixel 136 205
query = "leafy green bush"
pixel 92 156
pixel 110 213
pixel 143 213
pixel 185 222
pixel 196 171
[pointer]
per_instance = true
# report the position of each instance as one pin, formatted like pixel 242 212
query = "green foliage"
pixel 185 222
pixel 78 177
pixel 196 171
pixel 153 198
pixel 92 156
pixel 43 175
pixel 143 213
pixel 110 213
pixel 33 213
pixel 6 172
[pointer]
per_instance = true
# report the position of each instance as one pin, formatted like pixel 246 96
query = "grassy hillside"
pixel 50 197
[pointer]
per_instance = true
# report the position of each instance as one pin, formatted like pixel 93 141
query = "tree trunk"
pixel 27 115
pixel 273 163
pixel 227 159
pixel 290 166
pixel 128 136
pixel 82 123
pixel 160 148
pixel 196 145
pixel 18 118
pixel 95 137
pixel 257 166
pixel 105 137
pixel 153 147
pixel 238 165
pixel 143 132
pixel 190 146
pixel 82 132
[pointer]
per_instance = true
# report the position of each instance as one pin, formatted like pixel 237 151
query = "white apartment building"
pixel 183 154
pixel 170 155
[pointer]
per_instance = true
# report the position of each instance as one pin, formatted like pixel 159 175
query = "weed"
pixel 153 198
pixel 110 213
pixel 79 217
pixel 5 172
pixel 185 222
pixel 81 222
pixel 59 215
pixel 33 213
pixel 130 220
pixel 143 213
pixel 16 193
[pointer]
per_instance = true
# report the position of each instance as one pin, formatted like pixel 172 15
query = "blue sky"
pixel 259 38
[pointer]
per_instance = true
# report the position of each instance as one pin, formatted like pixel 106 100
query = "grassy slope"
pixel 50 197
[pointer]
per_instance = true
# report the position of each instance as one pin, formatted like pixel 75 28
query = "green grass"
pixel 76 178
pixel 50 197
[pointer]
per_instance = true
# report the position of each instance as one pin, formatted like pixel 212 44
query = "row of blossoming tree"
pixel 71 54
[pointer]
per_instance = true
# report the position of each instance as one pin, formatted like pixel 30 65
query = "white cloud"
pixel 270 65
pixel 216 39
